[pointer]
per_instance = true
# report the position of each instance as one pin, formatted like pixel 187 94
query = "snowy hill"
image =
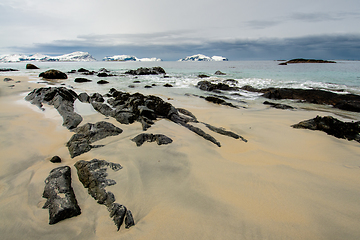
pixel 71 57
pixel 201 57
pixel 130 58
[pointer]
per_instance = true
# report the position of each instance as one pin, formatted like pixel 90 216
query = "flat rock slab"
pixel 332 126
pixel 60 196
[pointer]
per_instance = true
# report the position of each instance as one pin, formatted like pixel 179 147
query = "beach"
pixel 283 183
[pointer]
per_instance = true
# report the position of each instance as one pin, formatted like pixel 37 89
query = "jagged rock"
pixel 55 159
pixel 222 131
pixel 102 82
pixel 278 105
pixel 147 71
pixel 60 196
pixel 84 98
pixel 31 66
pixel 97 97
pixel 208 86
pixel 62 99
pixel 89 133
pixel 350 102
pixel 332 126
pixel 219 73
pixel 160 139
pixel 53 74
pixel 92 174
pixel 219 101
pixel 82 80
pixel 103 108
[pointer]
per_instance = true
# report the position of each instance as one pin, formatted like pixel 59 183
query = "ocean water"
pixel 340 77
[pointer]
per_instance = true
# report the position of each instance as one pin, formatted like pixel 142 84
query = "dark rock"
pixel 72 71
pixel 84 135
pixel 55 159
pixel 136 81
pixel 82 70
pixel 208 86
pixel 102 108
pixel 31 66
pixel 84 98
pixel 231 81
pixel 350 102
pixel 131 86
pixel 92 174
pixel 302 60
pixel 104 74
pixel 219 73
pixel 11 86
pixel 96 97
pixel 160 139
pixel 53 74
pixel 332 126
pixel 219 101
pixel 278 105
pixel 168 85
pixel 222 131
pixel 147 71
pixel 62 99
pixel 284 63
pixel 8 79
pixel 60 196
pixel 8 70
pixel 203 76
pixel 148 86
pixel 82 80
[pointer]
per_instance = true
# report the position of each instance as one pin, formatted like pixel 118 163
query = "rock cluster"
pixel 60 196
pixel 147 71
pixel 208 86
pixel 62 99
pixel 92 174
pixel 332 126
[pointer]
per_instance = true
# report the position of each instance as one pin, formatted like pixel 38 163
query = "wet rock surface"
pixel 160 139
pixel 332 126
pixel 62 99
pixel 278 105
pixel 53 74
pixel 60 196
pixel 89 133
pixel 92 174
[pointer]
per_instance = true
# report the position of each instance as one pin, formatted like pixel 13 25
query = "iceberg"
pixel 202 57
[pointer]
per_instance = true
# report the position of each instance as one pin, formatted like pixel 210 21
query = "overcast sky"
pixel 173 29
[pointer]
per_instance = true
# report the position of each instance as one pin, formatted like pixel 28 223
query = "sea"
pixel 340 77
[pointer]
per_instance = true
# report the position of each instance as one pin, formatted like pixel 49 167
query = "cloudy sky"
pixel 173 29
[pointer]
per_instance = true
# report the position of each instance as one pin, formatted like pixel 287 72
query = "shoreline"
pixel 284 183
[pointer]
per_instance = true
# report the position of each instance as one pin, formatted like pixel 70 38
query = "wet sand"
pixel 284 183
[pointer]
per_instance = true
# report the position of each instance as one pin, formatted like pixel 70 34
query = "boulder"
pixel 160 139
pixel 102 82
pixel 62 99
pixel 89 133
pixel 96 97
pixel 208 86
pixel 168 85
pixel 219 73
pixel 203 76
pixel 53 74
pixel 61 200
pixel 84 98
pixel 332 126
pixel 82 80
pixel 147 71
pixel 55 159
pixel 92 174
pixel 31 66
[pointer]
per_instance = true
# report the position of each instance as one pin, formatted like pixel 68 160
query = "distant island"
pixel 302 60
pixel 70 57
pixel 201 57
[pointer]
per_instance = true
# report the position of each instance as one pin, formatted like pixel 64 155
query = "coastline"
pixel 284 183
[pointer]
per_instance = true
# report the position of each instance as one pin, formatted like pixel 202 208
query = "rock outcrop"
pixel 92 174
pixel 332 126
pixel 62 99
pixel 89 133
pixel 60 196
pixel 53 74
pixel 160 139
pixel 278 105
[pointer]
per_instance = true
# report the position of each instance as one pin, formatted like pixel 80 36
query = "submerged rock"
pixel 60 196
pixel 53 74
pixel 89 133
pixel 160 139
pixel 332 126
pixel 92 174
pixel 62 99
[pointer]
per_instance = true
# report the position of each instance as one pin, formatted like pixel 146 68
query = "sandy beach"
pixel 284 183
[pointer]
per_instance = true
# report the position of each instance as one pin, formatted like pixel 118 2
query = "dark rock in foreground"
pixel 80 142
pixel 60 196
pixel 332 126
pixel 147 71
pixel 31 66
pixel 53 74
pixel 160 139
pixel 278 105
pixel 349 102
pixel 92 174
pixel 63 100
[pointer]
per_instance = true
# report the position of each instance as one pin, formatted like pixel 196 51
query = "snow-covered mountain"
pixel 202 57
pixel 130 58
pixel 70 57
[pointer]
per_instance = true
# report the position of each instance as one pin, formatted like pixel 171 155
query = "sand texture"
pixel 284 183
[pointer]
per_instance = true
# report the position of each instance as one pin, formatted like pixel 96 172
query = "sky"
pixel 173 29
